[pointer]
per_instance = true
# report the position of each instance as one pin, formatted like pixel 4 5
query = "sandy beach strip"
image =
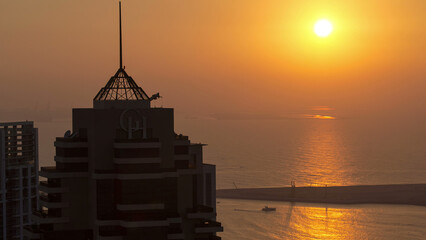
pixel 411 194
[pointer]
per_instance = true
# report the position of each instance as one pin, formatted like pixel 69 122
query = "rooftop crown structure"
pixel 121 88
pixel 123 173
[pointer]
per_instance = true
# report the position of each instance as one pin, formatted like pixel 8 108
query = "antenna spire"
pixel 121 48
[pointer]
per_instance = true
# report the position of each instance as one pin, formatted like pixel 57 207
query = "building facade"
pixel 18 177
pixel 123 173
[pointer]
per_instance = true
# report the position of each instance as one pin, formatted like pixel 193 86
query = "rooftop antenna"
pixel 121 48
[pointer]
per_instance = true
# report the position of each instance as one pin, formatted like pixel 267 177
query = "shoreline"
pixel 406 194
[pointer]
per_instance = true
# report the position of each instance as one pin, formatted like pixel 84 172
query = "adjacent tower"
pixel 18 177
pixel 123 173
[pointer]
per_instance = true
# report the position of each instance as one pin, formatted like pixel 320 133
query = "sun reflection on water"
pixel 322 223
pixel 321 158
pixel 302 221
pixel 322 117
pixel 310 222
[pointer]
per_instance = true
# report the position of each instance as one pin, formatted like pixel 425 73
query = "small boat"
pixel 268 209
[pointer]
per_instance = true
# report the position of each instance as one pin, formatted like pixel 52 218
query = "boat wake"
pixel 245 210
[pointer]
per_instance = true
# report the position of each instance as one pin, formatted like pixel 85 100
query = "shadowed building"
pixel 18 177
pixel 123 173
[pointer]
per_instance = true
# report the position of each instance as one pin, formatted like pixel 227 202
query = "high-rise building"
pixel 18 177
pixel 123 173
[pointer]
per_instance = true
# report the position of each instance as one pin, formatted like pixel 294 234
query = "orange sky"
pixel 219 56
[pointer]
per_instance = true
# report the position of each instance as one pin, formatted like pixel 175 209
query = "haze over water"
pixel 253 57
pixel 264 153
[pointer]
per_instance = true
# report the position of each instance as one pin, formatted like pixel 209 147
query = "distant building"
pixel 18 177
pixel 123 173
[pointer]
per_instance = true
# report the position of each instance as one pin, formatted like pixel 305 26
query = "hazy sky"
pixel 219 56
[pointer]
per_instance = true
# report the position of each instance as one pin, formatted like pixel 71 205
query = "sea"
pixel 310 152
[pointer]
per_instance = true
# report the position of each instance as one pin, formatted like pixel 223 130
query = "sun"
pixel 323 28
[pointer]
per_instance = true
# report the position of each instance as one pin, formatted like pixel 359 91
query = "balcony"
pixel 147 174
pixel 175 236
pixel 71 159
pixel 111 233
pixel 71 144
pixel 175 233
pixel 133 224
pixel 50 187
pixel 137 160
pixel 110 237
pixel 178 157
pixel 50 184
pixel 32 231
pixel 71 139
pixel 52 172
pixel 208 226
pixel 43 217
pixel 127 145
pixel 135 220
pixel 136 207
pixel 208 238
pixel 49 201
pixel 201 212
pixel 138 140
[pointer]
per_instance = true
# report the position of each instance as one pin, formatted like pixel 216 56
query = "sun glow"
pixel 323 28
pixel 323 117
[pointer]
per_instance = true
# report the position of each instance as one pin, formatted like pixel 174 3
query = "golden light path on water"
pixel 319 152
pixel 321 156
pixel 243 220
pixel 319 223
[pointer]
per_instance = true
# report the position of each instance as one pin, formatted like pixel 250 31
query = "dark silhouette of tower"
pixel 18 177
pixel 123 173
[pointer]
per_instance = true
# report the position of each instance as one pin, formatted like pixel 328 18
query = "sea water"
pixel 267 153
pixel 244 220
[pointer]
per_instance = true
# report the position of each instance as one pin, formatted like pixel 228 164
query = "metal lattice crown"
pixel 121 87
